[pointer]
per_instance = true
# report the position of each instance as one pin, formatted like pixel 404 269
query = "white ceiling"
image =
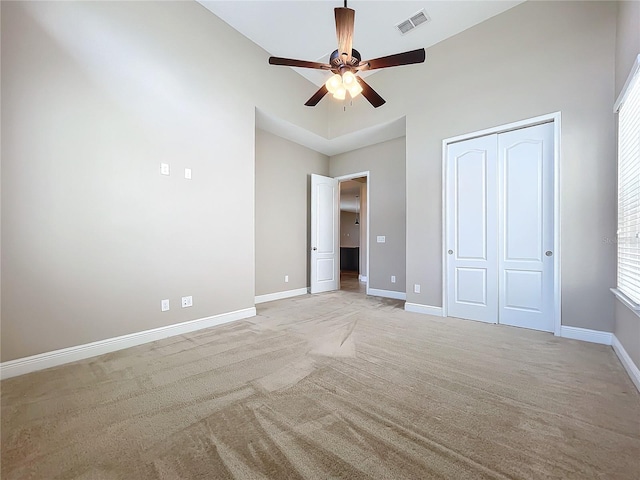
pixel 305 30
pixel 345 143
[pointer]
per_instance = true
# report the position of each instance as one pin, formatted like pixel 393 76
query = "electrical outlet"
pixel 187 173
pixel 416 288
pixel 164 305
pixel 393 279
pixel 286 279
pixel 381 239
pixel 187 301
pixel 164 169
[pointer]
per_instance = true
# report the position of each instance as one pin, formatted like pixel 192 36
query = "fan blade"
pixel 406 58
pixel 345 19
pixel 370 94
pixel 313 101
pixel 289 62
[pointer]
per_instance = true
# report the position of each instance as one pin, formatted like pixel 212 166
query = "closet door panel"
pixel 525 171
pixel 471 229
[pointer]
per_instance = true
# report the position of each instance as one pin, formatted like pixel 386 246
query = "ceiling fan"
pixel 346 62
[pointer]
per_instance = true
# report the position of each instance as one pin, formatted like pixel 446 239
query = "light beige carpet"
pixel 330 386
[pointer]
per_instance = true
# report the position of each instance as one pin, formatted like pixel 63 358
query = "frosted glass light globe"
pixel 340 93
pixel 349 79
pixel 355 90
pixel 334 83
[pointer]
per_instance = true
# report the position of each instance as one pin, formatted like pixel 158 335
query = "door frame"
pixel 554 118
pixel 351 176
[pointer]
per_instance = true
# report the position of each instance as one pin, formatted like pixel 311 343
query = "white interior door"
pixel 525 172
pixel 471 229
pixel 325 260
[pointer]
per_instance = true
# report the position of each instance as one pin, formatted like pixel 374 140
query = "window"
pixel 628 108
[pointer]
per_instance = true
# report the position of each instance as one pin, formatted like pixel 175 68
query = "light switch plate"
pixel 164 305
pixel 187 173
pixel 165 169
pixel 381 239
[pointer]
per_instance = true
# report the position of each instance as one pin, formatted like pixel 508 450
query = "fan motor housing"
pixel 337 61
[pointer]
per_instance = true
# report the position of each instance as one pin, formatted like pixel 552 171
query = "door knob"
pixel 314 249
pixel 450 252
pixel 548 253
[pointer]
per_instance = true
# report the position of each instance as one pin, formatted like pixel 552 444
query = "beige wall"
pixel 283 170
pixel 349 231
pixel 534 59
pixel 95 95
pixel 627 331
pixel 387 196
pixel 627 40
pixel 627 323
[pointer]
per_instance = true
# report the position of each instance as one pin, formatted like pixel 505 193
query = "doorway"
pixel 501 226
pixel 325 232
pixel 352 233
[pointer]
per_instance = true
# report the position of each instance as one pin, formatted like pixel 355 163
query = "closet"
pixel 499 228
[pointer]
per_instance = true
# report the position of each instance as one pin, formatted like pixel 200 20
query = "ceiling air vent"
pixel 412 22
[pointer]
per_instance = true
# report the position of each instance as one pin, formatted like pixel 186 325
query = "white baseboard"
pixel 270 297
pixel 626 361
pixel 362 278
pixel 426 309
pixel 586 335
pixel 387 294
pixel 20 366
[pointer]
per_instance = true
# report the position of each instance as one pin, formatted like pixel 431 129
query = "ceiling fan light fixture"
pixel 340 93
pixel 355 90
pixel 334 83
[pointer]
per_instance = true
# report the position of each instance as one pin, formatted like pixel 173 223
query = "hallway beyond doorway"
pixel 349 282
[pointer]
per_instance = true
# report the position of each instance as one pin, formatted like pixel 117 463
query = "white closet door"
pixel 471 229
pixel 525 172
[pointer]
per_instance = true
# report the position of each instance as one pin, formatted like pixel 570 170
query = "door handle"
pixel 450 252
pixel 548 253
